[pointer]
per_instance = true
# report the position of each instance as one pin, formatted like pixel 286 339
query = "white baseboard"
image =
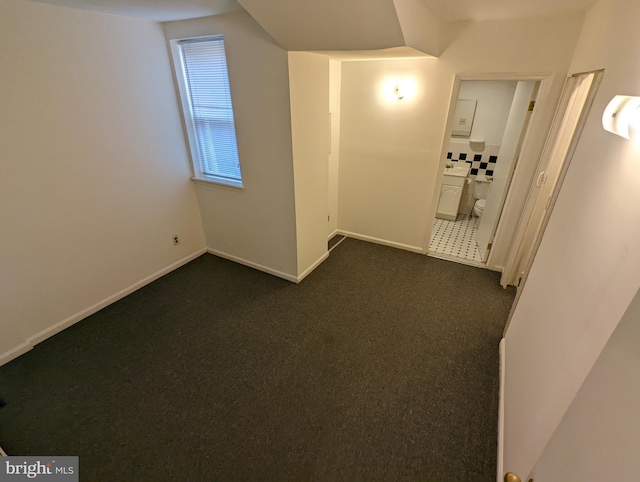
pixel 312 267
pixel 266 269
pixel 337 244
pixel 393 244
pixel 67 322
pixel 251 264
pixel 500 471
pixel 15 352
pixel 335 231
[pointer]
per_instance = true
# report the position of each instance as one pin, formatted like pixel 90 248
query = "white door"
pixel 507 157
pixel 574 105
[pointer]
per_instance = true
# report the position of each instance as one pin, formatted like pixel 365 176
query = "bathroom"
pixel 490 119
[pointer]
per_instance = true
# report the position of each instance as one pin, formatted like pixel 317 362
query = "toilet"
pixel 481 189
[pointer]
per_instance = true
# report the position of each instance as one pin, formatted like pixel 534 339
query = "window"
pixel 201 70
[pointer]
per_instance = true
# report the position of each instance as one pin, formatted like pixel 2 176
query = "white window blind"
pixel 206 81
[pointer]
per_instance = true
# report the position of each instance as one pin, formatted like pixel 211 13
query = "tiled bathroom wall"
pixel 482 162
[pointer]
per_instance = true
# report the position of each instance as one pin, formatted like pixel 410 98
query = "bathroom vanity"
pixel 453 182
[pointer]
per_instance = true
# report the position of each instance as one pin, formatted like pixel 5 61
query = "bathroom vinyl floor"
pixel 455 239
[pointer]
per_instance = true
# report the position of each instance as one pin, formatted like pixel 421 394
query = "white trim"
pixel 338 243
pixel 15 352
pixel 251 264
pixel 393 244
pixel 505 75
pixel 307 271
pixel 503 359
pixel 335 232
pixel 181 82
pixel 71 320
pixel 211 181
pixel 58 327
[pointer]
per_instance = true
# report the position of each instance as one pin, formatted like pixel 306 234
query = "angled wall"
pixel 599 436
pixel 328 24
pixel 309 85
pixel 255 226
pixel 420 28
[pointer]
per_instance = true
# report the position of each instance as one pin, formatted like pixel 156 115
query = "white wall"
pixel 335 86
pixel 309 85
pixel 390 152
pixel 257 225
pixel 598 438
pixel 389 149
pixel 587 271
pixel 94 176
pixel 494 104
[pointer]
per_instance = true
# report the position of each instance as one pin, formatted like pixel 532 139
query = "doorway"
pixel 576 100
pixel 490 121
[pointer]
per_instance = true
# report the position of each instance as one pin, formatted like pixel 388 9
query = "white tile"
pixel 456 238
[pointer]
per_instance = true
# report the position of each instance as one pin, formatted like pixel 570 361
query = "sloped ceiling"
pixel 319 25
pixel 342 25
pixel 157 10
pixel 420 28
pixel 328 24
pixel 442 10
pixel 463 10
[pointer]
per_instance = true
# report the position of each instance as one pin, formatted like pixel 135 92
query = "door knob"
pixel 509 477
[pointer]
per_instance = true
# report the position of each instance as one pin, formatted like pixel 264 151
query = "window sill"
pixel 208 181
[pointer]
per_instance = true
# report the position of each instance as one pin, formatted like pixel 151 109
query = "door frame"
pixel 520 179
pixel 514 258
pixel 511 143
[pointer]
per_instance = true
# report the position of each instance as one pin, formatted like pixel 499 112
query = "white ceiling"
pixel 396 53
pixel 158 10
pixel 459 10
pixel 444 10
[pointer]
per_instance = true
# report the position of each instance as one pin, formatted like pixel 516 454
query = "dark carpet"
pixel 334 241
pixel 381 365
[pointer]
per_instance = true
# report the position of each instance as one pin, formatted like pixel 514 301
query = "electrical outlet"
pixel 176 240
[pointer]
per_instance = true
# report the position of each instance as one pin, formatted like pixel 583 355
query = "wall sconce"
pixel 622 115
pixel 397 88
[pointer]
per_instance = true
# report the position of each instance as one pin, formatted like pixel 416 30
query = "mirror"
pixel 463 120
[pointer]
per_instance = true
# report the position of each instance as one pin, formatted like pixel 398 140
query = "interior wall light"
pixel 398 90
pixel 622 115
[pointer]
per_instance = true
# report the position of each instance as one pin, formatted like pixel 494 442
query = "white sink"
pixel 456 175
pixel 461 170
